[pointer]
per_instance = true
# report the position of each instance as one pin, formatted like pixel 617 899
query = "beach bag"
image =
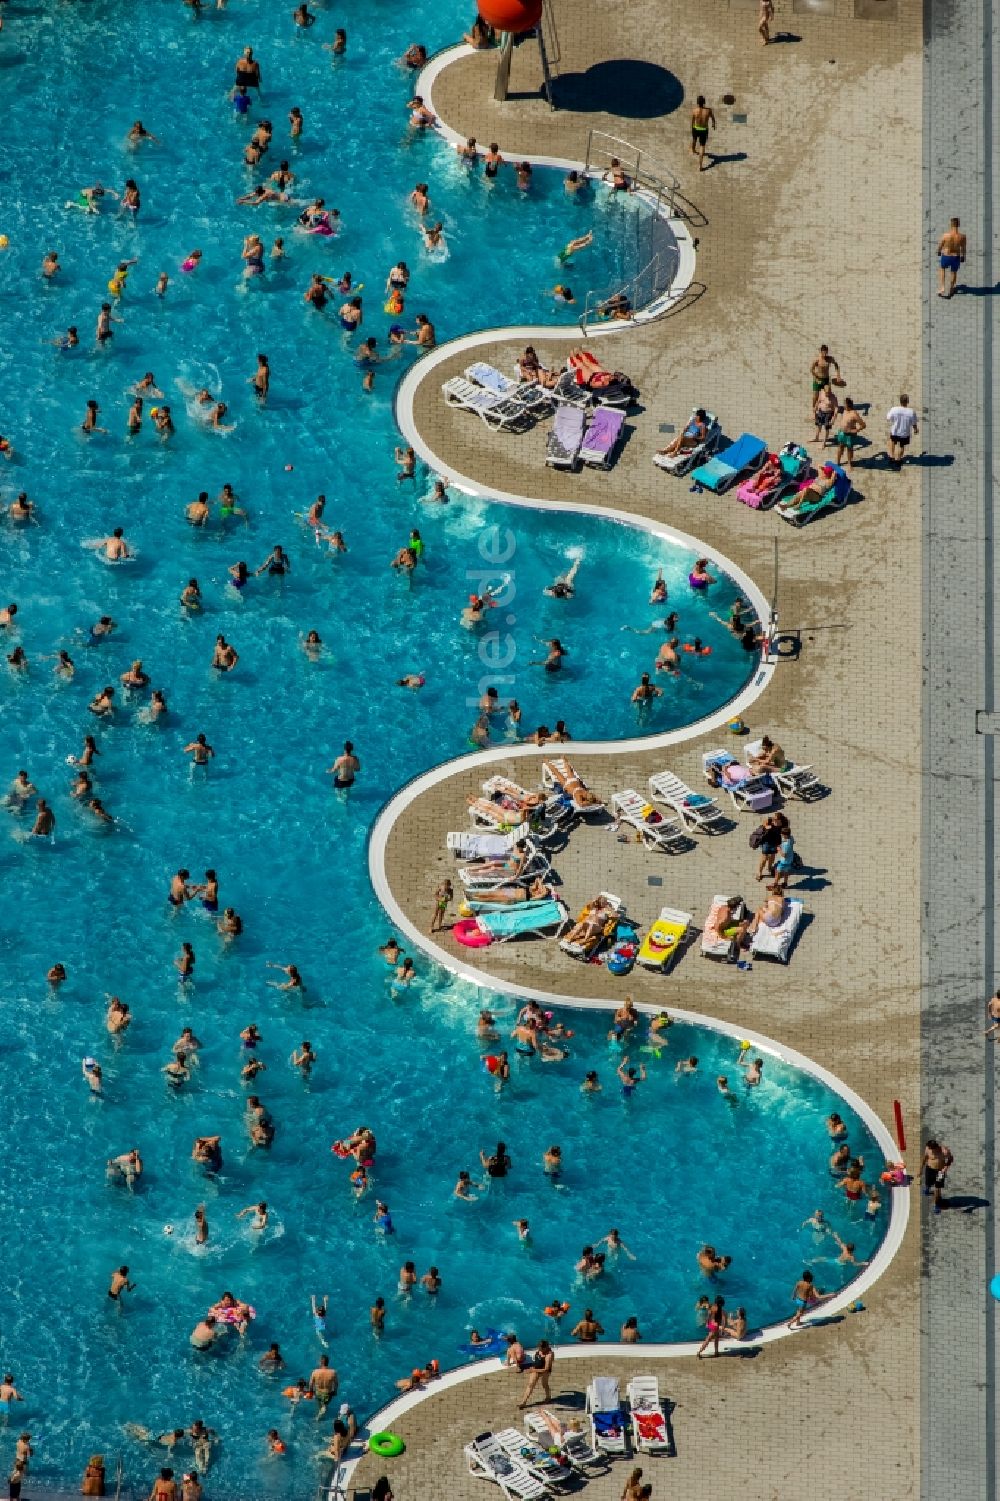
pixel 757 837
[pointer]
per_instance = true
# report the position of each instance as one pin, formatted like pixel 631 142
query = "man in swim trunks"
pixel 702 117
pixel 345 768
pixel 951 254
pixel 936 1161
pixel 323 1385
pixel 820 372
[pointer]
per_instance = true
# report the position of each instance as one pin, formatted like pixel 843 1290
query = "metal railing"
pixel 643 170
pixel 655 278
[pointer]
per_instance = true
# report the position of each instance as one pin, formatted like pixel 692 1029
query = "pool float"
pixel 468 932
pixel 386 1445
pixel 492 1343
pixel 699 651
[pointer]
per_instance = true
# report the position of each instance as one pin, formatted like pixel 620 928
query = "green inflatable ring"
pixel 386 1445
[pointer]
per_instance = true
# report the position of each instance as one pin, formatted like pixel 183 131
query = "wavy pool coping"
pixel 378 837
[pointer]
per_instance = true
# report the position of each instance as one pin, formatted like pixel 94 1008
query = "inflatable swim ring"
pixel 492 1343
pixel 468 932
pixel 386 1445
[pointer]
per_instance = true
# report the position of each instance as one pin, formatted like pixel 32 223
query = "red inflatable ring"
pixel 468 932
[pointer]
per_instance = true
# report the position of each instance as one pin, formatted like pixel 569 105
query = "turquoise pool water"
pixel 290 856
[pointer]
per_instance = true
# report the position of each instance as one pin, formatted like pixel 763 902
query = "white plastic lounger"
pixel 573 1444
pixel 565 438
pixel 717 947
pixel 525 920
pixel 604 432
pixel 495 410
pixel 776 943
pixel 792 780
pixel 478 878
pixel 680 463
pixel 486 1458
pixel 658 833
pixel 607 1420
pixel 536 1459
pixel 649 1426
pixel 615 909
pixel 568 391
pixel 750 794
pixel 559 775
pixel 695 810
pixel 473 844
pixel 527 392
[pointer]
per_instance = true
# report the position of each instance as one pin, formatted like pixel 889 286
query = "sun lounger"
pixel 798 511
pixel 607 1420
pixel 792 780
pixel 776 943
pixel 573 1444
pixel 662 943
pixel 481 878
pixel 731 464
pixel 565 438
pixel 687 458
pixel 558 774
pixel 487 1458
pixel 472 844
pixel 714 945
pixel 749 793
pixel 649 1426
pixel 603 433
pixel 568 392
pixel 614 908
pixel 495 410
pixel 658 833
pixel 794 467
pixel 529 920
pixel 537 1460
pixel 527 392
pixel 694 809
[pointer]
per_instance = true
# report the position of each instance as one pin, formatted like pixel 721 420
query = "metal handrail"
pixel 549 20
pixel 644 170
pixel 595 300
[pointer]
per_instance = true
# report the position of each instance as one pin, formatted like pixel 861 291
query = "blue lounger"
pixel 739 459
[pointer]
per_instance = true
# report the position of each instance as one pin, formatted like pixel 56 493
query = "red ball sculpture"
pixel 513 16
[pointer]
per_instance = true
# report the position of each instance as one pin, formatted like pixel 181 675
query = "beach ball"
pixel 995 1286
pixel 4 242
pixel 514 16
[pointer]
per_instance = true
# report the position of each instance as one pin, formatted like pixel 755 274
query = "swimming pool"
pixel 290 856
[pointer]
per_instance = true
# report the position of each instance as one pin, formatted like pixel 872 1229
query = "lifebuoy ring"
pixel 468 932
pixel 386 1445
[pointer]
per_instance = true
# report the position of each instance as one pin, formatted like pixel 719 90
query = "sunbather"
pixel 726 923
pixel 591 923
pixel 770 757
pixel 533 891
pixel 529 368
pixel 772 914
pixel 766 477
pixel 572 786
pixel 818 489
pixel 693 434
pixel 511 865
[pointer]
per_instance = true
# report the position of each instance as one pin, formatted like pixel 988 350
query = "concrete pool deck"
pixel 790 255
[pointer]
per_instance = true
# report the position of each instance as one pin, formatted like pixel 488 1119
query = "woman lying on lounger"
pixel 574 788
pixel 591 923
pixel 530 369
pixel 817 490
pixel 767 475
pixel 695 433
pixel 523 891
pixel 511 865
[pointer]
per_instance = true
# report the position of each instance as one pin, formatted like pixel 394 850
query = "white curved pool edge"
pixel 685 245
pixel 390 1413
pixel 900 1203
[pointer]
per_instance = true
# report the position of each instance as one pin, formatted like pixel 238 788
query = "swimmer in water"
pixel 580 243
pixel 563 586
